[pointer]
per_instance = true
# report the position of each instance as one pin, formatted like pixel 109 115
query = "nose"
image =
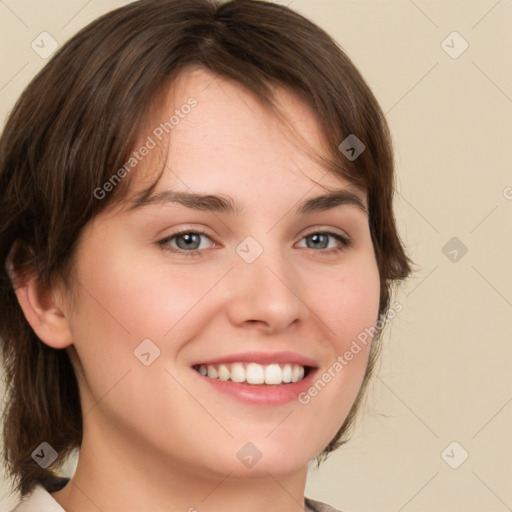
pixel 266 294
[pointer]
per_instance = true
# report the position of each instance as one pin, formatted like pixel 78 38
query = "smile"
pixel 253 373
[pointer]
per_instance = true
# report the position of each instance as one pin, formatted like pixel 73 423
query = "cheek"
pixel 348 302
pixel 122 300
pixel 347 305
pixel 125 299
pixel 130 297
pixel 355 321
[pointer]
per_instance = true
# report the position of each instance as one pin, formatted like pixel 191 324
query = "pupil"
pixel 319 238
pixel 189 240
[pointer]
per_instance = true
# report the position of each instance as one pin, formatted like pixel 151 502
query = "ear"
pixel 42 306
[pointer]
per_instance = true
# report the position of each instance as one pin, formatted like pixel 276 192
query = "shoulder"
pixel 40 499
pixel 318 506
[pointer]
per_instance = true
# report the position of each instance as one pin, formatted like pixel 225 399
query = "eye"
pixel 192 243
pixel 186 242
pixel 326 241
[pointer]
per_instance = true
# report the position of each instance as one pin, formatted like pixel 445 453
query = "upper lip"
pixel 261 358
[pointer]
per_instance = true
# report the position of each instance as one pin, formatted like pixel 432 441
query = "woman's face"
pixel 256 284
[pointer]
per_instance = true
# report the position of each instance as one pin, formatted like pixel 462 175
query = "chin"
pixel 280 455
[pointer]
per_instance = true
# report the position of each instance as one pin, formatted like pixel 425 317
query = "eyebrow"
pixel 226 204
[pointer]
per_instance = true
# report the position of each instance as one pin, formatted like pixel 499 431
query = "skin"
pixel 156 437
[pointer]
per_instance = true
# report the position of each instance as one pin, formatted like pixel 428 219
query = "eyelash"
pixel 345 242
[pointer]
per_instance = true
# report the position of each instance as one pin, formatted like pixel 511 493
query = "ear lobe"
pixel 41 308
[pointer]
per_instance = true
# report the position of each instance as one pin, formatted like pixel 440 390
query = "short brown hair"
pixel 77 122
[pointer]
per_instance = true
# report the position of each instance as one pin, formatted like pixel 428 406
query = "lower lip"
pixel 261 394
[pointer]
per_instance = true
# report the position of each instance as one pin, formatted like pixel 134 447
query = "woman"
pixel 199 249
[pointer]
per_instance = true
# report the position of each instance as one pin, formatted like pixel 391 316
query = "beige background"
pixel 445 374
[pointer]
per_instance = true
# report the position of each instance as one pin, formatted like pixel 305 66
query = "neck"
pixel 114 475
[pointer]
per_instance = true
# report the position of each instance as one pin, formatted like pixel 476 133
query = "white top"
pixel 40 500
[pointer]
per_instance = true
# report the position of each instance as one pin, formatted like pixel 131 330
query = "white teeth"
pixel 287 373
pixel 224 373
pixel 273 374
pixel 237 372
pixel 254 373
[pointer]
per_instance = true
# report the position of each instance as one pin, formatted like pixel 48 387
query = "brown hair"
pixel 77 122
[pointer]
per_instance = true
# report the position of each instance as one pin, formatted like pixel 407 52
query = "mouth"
pixel 257 378
pixel 255 374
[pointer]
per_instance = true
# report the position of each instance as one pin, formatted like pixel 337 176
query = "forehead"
pixel 229 139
